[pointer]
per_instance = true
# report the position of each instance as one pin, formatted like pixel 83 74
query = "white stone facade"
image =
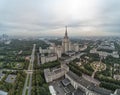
pixel 56 73
pixel 49 58
pixel 67 45
pixel 59 50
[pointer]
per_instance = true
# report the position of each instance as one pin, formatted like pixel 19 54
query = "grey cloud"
pixel 40 15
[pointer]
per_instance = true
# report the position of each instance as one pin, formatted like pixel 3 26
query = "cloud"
pixel 43 17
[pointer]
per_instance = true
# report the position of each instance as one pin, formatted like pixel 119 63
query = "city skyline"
pixel 83 18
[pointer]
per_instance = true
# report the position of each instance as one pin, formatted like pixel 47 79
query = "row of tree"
pixel 108 83
pixel 81 69
pixel 110 86
pixel 47 65
pixel 39 86
pixel 75 70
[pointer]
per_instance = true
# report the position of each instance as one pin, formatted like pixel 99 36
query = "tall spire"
pixel 66 36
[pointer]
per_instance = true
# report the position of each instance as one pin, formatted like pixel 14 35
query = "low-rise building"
pixel 70 53
pixel 52 90
pixel 117 92
pixel 3 92
pixel 54 74
pixel 105 54
pixel 85 86
pixel 83 48
pixel 117 68
pixel 117 77
pixel 116 71
pixel 48 58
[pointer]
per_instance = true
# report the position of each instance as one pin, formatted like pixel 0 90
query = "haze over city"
pixel 59 47
pixel 49 17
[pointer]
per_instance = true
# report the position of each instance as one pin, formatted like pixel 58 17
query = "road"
pixel 28 86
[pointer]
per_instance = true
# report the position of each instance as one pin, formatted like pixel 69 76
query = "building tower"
pixel 66 35
pixel 65 42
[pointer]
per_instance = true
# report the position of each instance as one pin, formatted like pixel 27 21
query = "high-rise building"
pixel 66 47
pixel 66 44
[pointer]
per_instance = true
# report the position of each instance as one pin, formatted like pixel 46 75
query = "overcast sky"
pixel 49 17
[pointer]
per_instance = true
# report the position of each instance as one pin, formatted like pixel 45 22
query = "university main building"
pixel 55 52
pixel 67 46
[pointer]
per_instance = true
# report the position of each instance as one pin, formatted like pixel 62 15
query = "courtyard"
pixel 99 66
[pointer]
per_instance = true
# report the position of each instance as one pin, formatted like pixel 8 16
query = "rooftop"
pixel 3 93
pixel 79 92
pixel 99 90
pixel 117 92
pixel 80 80
pixel 66 82
pixel 90 86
